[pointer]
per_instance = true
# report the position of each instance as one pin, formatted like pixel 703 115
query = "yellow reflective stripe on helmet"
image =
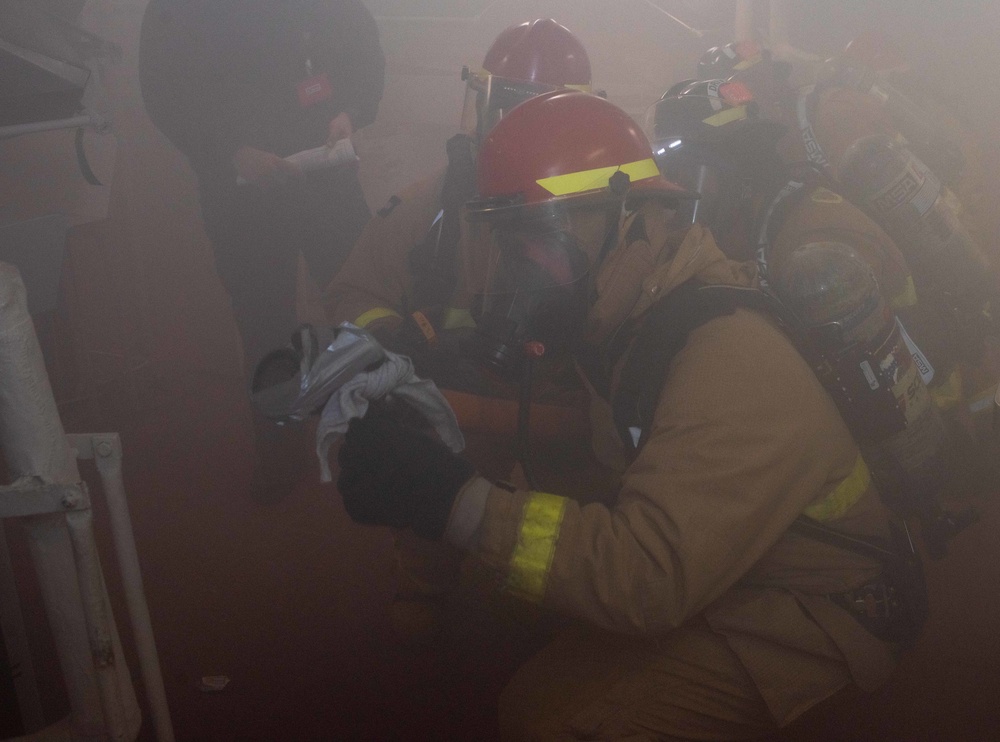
pixel 726 117
pixel 747 63
pixel 373 315
pixel 844 496
pixel 455 318
pixel 907 297
pixel 593 180
pixel 948 393
pixel 582 88
pixel 536 545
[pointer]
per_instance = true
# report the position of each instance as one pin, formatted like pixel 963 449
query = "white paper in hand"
pixel 319 158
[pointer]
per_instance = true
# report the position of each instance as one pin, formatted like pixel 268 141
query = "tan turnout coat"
pixel 744 440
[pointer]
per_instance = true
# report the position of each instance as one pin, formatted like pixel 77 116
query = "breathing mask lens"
pixel 534 292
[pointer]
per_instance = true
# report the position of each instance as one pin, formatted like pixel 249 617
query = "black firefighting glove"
pixel 392 474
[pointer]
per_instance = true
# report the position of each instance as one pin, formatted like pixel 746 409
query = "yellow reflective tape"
pixel 726 117
pixel 948 393
pixel 826 196
pixel 372 315
pixel 455 319
pixel 596 179
pixel 582 88
pixel 536 545
pixel 844 496
pixel 907 297
pixel 747 63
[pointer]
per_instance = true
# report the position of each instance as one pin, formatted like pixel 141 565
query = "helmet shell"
pixel 725 61
pixel 540 51
pixel 541 153
pixel 700 112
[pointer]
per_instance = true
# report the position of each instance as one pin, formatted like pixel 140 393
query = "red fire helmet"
pixel 565 147
pixel 540 51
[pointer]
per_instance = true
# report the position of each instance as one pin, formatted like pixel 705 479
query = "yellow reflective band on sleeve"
pixel 726 117
pixel 826 196
pixel 948 393
pixel 455 319
pixel 536 545
pixel 373 315
pixel 596 179
pixel 844 496
pixel 907 297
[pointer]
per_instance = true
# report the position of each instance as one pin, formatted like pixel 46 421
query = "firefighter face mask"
pixel 535 290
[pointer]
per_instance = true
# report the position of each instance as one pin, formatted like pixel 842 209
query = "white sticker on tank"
pixel 923 365
pixel 866 369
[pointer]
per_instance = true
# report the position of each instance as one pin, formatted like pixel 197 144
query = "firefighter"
pixel 401 282
pixel 850 138
pixel 402 271
pixel 709 137
pixel 948 145
pixel 699 613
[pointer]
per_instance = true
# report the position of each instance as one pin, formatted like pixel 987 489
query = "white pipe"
pixel 743 23
pixel 52 555
pixel 34 444
pixel 675 19
pixel 122 718
pixel 75 122
pixel 108 454
pixel 778 23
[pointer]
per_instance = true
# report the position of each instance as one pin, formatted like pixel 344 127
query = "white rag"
pixel 394 379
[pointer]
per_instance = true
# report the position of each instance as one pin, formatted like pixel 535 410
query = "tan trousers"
pixel 590 685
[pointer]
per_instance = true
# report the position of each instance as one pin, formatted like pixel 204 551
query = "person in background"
pixel 237 87
pixel 402 276
pixel 850 138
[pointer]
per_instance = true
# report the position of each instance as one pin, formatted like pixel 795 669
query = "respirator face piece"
pixel 535 291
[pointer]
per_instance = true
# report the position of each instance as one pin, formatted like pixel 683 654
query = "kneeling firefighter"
pixel 705 607
pixel 402 283
pixel 709 137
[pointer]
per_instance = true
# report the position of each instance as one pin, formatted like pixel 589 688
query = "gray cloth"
pixel 394 379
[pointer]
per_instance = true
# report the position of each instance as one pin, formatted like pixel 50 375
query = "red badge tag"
pixel 314 89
